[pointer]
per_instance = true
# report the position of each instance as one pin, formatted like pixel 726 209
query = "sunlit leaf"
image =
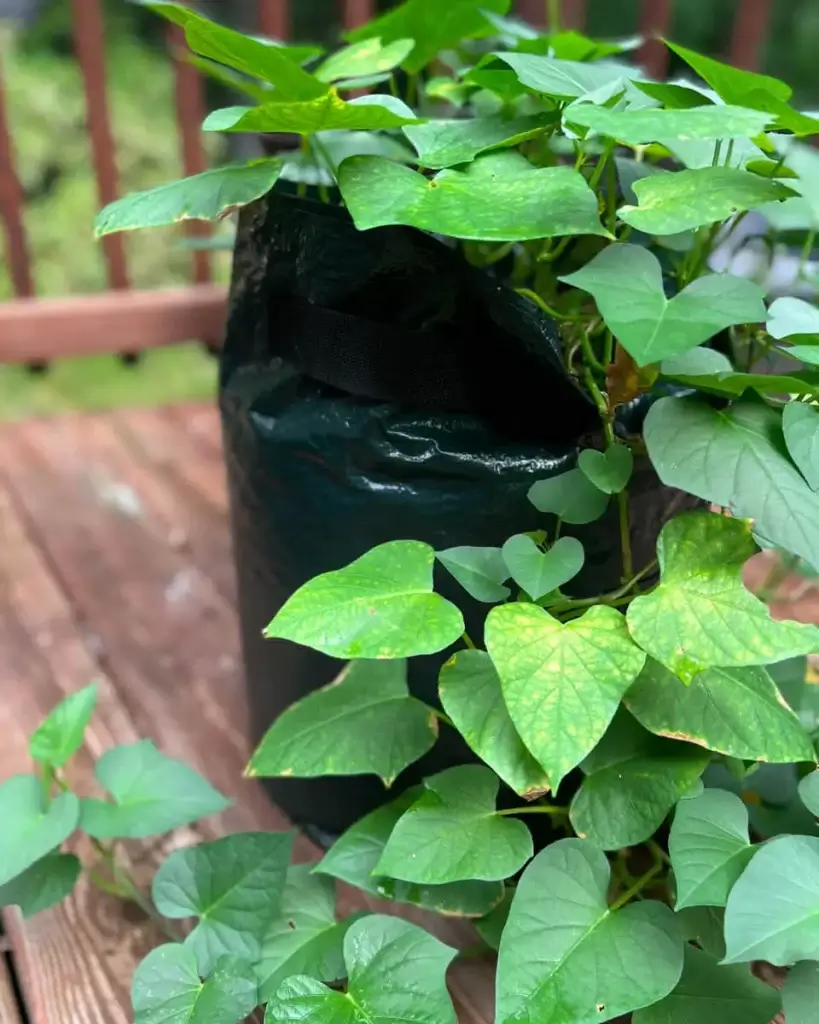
pixel 47 882
pixel 480 571
pixel 540 572
pixel 566 957
pixel 471 694
pixel 325 113
pixel 60 736
pixel 32 826
pixel 445 143
pixel 453 833
pixel 382 605
pixel 368 57
pixel 208 196
pixel 570 496
pixel 562 683
pixel 627 284
pixel 498 197
pixel 639 127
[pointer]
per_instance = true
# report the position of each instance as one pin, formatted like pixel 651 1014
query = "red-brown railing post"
pixel 655 20
pixel 11 207
pixel 274 19
pixel 572 13
pixel 748 36
pixel 356 12
pixel 89 40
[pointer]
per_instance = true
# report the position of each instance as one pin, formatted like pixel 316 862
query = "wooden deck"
pixel 115 566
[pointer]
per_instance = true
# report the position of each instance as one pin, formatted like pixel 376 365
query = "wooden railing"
pixel 33 329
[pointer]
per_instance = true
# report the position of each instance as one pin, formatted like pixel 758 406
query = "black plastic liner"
pixel 374 387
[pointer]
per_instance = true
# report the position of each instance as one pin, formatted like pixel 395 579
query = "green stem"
pixel 597 174
pixel 543 306
pixel 610 598
pixel 599 401
pixel 467 639
pixel 625 535
pixel 550 255
pixel 729 153
pixel 593 363
pixel 638 886
pixel 608 349
pixel 717 153
pixel 553 14
pixel 659 854
pixel 807 249
pixel 552 809
pixel 48 781
pixel 124 887
pixel 500 253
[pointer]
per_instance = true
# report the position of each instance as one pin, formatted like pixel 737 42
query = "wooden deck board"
pixel 9 1010
pixel 115 566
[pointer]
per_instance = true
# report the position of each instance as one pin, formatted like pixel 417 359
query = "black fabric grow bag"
pixel 374 388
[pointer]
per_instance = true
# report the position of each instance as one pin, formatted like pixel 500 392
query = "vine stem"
pixel 625 535
pixel 48 780
pixel 442 716
pixel 807 249
pixel 552 809
pixel 553 14
pixel 614 595
pixel 638 886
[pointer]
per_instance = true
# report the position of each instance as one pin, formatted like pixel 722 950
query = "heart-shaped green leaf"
pixel 499 197
pixel 380 606
pixel 705 926
pixel 152 794
pixel 709 847
pixel 684 200
pixel 433 27
pixel 32 827
pixel 354 856
pixel 305 938
pixel 60 736
pixel 610 470
pixel 233 885
pixel 167 989
pixel 713 993
pixel 241 52
pixel 800 424
pixel 480 571
pixel 701 556
pixel 697 362
pixel 561 683
pixel 732 385
pixel 773 910
pixel 364 722
pixel 540 572
pixel 453 833
pixel 691 443
pixel 325 113
pixel 47 882
pixel 565 957
pixel 800 996
pixel 369 57
pixel 208 196
pixel 789 317
pixel 470 692
pixel 632 782
pixel 396 972
pixel 570 496
pixel 639 127
pixel 563 79
pixel 734 711
pixel 809 792
pixel 626 282
pixel 446 143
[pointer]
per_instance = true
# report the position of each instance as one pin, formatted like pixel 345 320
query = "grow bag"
pixel 374 387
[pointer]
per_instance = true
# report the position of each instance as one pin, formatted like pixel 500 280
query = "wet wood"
pixel 11 208
pixel 94 585
pixel 750 30
pixel 42 329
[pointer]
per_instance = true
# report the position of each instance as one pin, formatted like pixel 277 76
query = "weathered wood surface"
pixel 114 565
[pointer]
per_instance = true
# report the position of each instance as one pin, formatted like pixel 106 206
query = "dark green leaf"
pixel 562 683
pixel 800 996
pixel 233 885
pixel 690 444
pixel 735 711
pixel 307 117
pixel 32 827
pixel 563 79
pixel 673 95
pixel 732 385
pixel 167 989
pixel 627 796
pixel 790 677
pixel 490 928
pixel 705 926
pixel 709 847
pixel 684 200
pixel 470 692
pixel 433 27
pixel 701 615
pixel 800 424
pixel 711 993
pixel 243 53
pixel 364 722
pixel 47 882
pixel 565 957
pixel 627 284
pixel 789 317
pixel 354 856
pixel 696 363
pixel 380 606
pixel 809 792
pixel 368 57
pixel 498 197
pixel 208 196
pixel 60 736
pixel 639 127
pixel 305 938
pixel 610 470
pixel 480 571
pixel 396 972
pixel 455 141
pixel 773 910
pixel 570 496
pixel 151 794
pixel 453 833
pixel 540 572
